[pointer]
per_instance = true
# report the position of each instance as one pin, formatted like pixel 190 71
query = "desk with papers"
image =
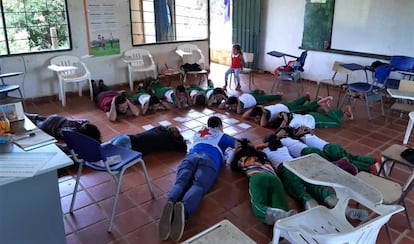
pixel 30 208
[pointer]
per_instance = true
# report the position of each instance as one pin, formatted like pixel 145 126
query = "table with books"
pixel 30 205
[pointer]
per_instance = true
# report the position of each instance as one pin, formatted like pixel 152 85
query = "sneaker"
pixel 356 214
pixel 325 101
pixel 344 164
pixel 311 203
pixel 225 88
pixel 238 88
pixel 274 214
pixel 164 226
pixel 375 168
pixel 331 201
pixel 307 95
pixel 102 86
pixel 177 226
pixel 348 112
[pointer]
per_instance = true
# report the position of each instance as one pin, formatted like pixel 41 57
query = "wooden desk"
pixel 355 67
pixel 30 208
pixel 395 93
pixel 314 169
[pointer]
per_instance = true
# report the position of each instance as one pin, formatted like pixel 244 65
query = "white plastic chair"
pixel 191 54
pixel 409 127
pixel 75 72
pixel 323 225
pixel 248 62
pixel 139 61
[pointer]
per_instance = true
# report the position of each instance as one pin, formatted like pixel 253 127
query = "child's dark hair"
pixel 90 130
pixel 273 143
pixel 256 111
pixel 120 99
pixel 246 150
pixel 214 122
pixel 218 91
pixel 232 100
pixel 276 122
pixel 200 99
pixel 180 88
pixel 237 47
pixel 154 100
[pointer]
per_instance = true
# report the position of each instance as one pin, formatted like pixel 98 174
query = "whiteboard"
pixel 384 27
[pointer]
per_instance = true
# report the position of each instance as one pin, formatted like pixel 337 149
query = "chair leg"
pixel 387 228
pixel 131 83
pixel 251 81
pixel 317 90
pixel 274 83
pixel 368 110
pixel 75 190
pixel 90 89
pixel 408 130
pixel 118 188
pixel 147 179
pixel 62 93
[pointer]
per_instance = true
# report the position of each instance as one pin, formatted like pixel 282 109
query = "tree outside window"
pixel 32 26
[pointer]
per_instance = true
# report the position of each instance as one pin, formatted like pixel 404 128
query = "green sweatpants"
pixel 329 120
pixel 301 190
pixel 160 90
pixel 262 99
pixel 266 190
pixel 298 105
pixel 334 152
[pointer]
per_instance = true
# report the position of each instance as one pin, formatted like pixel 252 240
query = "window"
pixel 168 20
pixel 30 26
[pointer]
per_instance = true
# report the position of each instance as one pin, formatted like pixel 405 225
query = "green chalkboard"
pixel 317 24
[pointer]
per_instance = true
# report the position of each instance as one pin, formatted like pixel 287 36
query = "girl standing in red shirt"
pixel 236 66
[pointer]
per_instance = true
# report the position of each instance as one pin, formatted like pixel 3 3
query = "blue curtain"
pixel 164 29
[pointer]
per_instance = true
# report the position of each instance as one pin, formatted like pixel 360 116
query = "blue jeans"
pixel 236 75
pixel 121 140
pixel 196 175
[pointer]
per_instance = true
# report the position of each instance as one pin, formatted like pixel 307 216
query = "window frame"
pixel 134 44
pixel 48 24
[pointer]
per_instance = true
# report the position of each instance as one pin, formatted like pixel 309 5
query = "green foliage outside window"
pixel 29 26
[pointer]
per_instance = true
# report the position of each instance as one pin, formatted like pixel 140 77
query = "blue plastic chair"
pixel 373 91
pixel 292 75
pixel 400 63
pixel 102 157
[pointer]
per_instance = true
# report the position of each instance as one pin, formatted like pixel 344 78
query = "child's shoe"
pixel 375 168
pixel 348 112
pixel 238 88
pixel 325 101
pixel 225 87
pixel 307 95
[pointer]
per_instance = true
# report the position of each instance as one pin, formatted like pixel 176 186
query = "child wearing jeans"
pixel 235 67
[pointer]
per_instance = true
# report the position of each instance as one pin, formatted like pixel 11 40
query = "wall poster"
pixel 102 30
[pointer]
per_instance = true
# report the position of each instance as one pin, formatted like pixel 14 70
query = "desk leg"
pixel 30 211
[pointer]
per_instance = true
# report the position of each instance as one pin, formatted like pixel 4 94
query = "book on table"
pixel 34 139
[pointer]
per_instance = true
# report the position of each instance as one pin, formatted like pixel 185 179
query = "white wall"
pixel 281 30
pixel 38 81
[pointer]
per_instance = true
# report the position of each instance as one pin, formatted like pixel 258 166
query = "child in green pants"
pixel 267 195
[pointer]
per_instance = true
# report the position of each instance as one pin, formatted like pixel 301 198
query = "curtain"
pixel 246 25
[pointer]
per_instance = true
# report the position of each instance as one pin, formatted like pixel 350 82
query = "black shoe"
pixel 102 86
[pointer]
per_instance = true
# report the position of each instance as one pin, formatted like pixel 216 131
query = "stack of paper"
pixel 39 139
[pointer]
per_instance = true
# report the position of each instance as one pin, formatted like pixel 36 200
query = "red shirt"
pixel 105 99
pixel 236 61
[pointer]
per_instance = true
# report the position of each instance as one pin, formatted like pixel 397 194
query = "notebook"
pixel 34 139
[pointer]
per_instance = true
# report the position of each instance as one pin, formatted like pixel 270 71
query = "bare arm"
pixel 263 119
pixel 111 114
pixel 239 107
pixel 210 101
pixel 246 114
pixel 133 108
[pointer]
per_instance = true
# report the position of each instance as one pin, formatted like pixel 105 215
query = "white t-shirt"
pixel 169 96
pixel 248 100
pixel 295 147
pixel 143 99
pixel 314 141
pixel 299 120
pixel 275 109
pixel 193 93
pixel 278 156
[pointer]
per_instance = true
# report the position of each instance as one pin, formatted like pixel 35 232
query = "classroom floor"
pixel 137 215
